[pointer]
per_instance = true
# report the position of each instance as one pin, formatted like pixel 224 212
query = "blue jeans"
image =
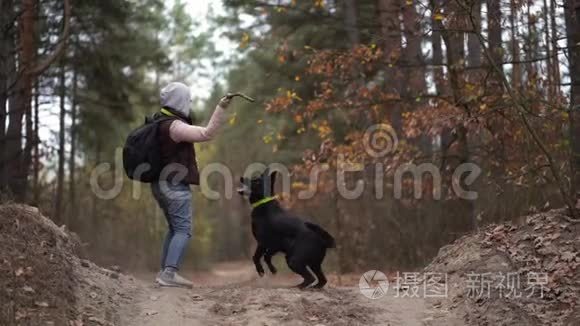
pixel 175 202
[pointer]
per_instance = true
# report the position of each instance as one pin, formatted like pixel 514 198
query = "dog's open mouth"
pixel 243 190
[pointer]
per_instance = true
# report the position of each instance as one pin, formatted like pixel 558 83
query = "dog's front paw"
pixel 273 270
pixel 260 271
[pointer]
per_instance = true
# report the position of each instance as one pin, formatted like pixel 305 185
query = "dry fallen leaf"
pixel 547 205
pixel 196 297
pixel 97 320
pixel 568 256
pixel 76 322
pixel 20 315
pixel 28 289
pixel 151 313
pixel 42 304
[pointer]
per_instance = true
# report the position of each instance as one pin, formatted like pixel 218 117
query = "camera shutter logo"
pixel 373 284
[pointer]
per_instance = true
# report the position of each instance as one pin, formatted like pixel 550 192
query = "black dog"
pixel 276 230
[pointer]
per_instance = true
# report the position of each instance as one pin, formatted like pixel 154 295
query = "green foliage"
pixel 113 49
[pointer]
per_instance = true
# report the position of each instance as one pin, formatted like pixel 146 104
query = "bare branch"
pixel 523 111
pixel 61 45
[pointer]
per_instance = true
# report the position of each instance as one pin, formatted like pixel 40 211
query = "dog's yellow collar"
pixel 263 201
pixel 166 112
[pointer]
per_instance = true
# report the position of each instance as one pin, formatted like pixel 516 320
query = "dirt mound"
pixel 264 306
pixel 514 274
pixel 44 282
pixel 36 283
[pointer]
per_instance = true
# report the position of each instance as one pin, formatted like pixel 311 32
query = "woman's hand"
pixel 225 102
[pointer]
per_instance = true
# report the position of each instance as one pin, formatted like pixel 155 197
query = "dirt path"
pixel 232 295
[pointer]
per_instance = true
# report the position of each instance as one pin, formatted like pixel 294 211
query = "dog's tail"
pixel 327 239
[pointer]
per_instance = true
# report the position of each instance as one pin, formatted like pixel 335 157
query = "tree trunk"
pixel 350 18
pixel 437 60
pixel 473 46
pixel 15 169
pixel 36 163
pixel 412 54
pixel 7 68
pixel 61 147
pixel 495 86
pixel 556 66
pixel 532 52
pixel 572 9
pixel 414 84
pixel 35 139
pixel 550 60
pixel 389 11
pixel 515 46
pixel 391 38
pixel 494 36
pixel 95 203
pixel 454 43
pixel 30 139
pixel 73 136
pixel 339 233
pixel 6 50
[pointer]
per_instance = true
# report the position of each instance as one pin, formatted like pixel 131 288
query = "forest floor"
pixel 44 282
pixel 232 295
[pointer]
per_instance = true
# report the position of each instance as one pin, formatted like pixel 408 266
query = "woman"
pixel 173 192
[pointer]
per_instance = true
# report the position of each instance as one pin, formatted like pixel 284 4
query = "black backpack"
pixel 142 151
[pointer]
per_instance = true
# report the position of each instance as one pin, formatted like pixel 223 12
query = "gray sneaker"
pixel 172 279
pixel 158 276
